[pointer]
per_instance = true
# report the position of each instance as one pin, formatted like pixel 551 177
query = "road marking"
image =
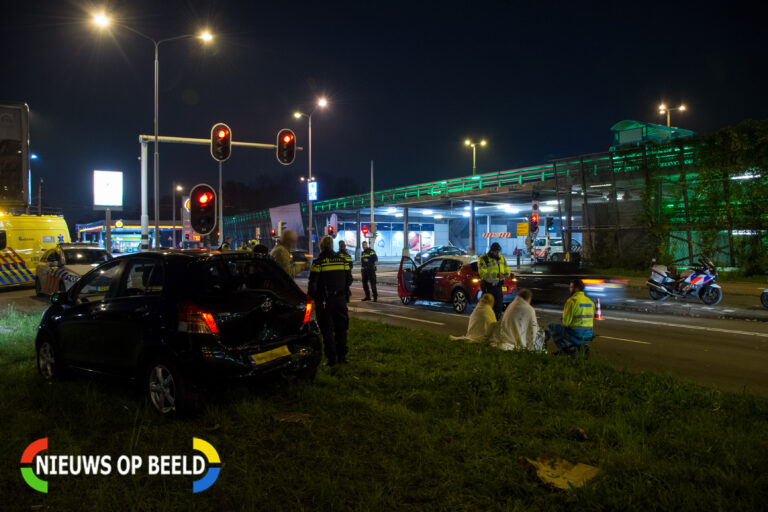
pixel 684 326
pixel 374 312
pixel 623 339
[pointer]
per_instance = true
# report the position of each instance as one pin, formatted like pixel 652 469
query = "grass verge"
pixel 415 422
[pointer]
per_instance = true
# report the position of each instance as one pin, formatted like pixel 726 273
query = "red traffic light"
pixel 365 230
pixel 204 198
pixel 330 229
pixel 273 231
pixel 534 218
pixel 286 146
pixel 221 142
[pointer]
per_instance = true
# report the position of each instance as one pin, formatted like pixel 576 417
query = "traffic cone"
pixel 598 312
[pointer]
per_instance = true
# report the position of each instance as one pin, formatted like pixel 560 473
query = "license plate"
pixel 503 288
pixel 270 355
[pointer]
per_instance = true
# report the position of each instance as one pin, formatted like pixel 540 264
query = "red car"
pixel 451 279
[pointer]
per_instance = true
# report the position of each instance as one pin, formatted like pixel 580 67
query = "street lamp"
pixel 102 20
pixel 664 110
pixel 474 145
pixel 176 188
pixel 322 103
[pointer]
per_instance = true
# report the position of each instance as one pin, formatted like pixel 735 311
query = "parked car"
pixel 453 279
pixel 445 250
pixel 549 282
pixel 59 268
pixel 176 321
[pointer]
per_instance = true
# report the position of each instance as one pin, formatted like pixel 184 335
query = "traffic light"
pixel 365 231
pixel 534 225
pixel 550 223
pixel 331 232
pixel 221 142
pixel 286 146
pixel 281 227
pixel 272 232
pixel 202 212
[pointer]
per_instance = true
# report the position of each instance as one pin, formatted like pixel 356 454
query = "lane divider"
pixel 374 312
pixel 695 327
pixel 600 336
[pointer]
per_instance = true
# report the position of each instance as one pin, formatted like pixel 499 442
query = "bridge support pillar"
pixel 472 228
pixel 405 232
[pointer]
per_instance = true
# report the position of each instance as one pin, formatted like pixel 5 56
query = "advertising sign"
pixel 107 190
pixel 312 190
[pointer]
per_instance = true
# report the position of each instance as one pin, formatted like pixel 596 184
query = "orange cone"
pixel 598 311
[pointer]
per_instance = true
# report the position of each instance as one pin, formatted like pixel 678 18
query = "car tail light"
pixel 308 310
pixel 593 281
pixel 196 320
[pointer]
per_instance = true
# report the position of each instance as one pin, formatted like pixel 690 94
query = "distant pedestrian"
pixel 329 277
pixel 226 245
pixel 282 253
pixel 518 327
pixel 493 268
pixel 368 269
pixel 243 246
pixel 343 252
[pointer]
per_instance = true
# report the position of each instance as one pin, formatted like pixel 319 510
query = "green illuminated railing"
pixel 594 166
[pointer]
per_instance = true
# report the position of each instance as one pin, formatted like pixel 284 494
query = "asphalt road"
pixel 728 354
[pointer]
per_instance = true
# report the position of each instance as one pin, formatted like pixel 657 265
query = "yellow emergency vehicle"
pixel 23 240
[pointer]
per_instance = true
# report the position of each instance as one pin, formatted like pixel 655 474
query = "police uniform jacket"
pixel 368 259
pixel 490 269
pixel 329 276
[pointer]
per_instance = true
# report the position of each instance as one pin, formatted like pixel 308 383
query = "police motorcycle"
pixel 699 283
pixel 764 297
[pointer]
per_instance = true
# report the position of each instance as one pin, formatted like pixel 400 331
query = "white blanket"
pixel 518 328
pixel 481 323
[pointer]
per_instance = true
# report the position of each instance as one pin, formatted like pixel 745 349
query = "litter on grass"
pixel 558 472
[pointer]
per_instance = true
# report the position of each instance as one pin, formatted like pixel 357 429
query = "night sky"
pixel 407 83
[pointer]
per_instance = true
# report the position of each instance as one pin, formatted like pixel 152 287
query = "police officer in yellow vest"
pixel 329 278
pixel 493 268
pixel 578 321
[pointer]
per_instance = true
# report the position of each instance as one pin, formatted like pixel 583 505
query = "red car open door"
pixel 406 278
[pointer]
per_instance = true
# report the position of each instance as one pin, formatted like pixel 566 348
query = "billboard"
pixel 107 190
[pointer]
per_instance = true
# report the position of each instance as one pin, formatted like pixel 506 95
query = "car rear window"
pixel 233 275
pixel 85 256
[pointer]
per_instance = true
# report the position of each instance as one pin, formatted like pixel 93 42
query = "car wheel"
pixel 557 257
pixel 166 387
pixel 38 288
pixel 712 296
pixel 460 300
pixel 46 360
pixel 657 294
pixel 406 300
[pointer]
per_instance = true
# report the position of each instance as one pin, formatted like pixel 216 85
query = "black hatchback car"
pixel 178 320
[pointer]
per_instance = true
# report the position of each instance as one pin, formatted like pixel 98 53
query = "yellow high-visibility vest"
pixel 579 312
pixel 490 268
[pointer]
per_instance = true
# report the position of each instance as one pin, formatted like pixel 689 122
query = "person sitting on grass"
pixel 481 321
pixel 518 327
pixel 578 320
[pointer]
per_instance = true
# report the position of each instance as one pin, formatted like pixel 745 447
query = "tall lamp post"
pixel 176 188
pixel 322 103
pixel 103 21
pixel 664 110
pixel 474 145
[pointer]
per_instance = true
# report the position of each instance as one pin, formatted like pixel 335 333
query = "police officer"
pixel 244 246
pixel 493 268
pixel 226 245
pixel 343 252
pixel 368 269
pixel 329 278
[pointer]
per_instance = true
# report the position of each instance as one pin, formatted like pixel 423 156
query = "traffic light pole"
pixel 221 210
pixel 143 141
